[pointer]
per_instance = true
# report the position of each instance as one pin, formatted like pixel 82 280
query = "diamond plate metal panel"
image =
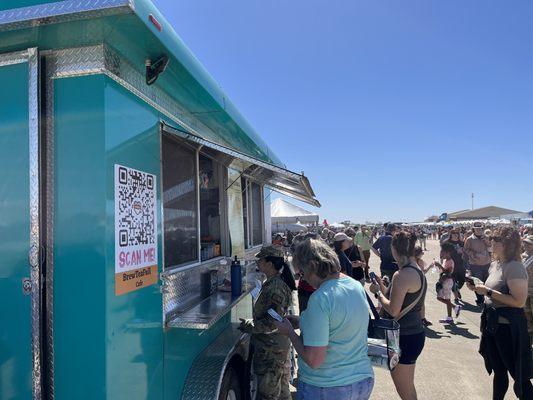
pixel 205 376
pixel 208 312
pixel 181 288
pixel 35 239
pixel 61 11
pixel 75 61
pixel 184 308
pixel 47 115
pixel 13 58
pixel 181 292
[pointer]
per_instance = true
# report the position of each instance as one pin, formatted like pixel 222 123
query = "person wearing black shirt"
pixel 356 258
pixel 342 242
pixel 383 249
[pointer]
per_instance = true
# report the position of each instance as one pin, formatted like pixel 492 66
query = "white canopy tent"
pixel 282 227
pixel 285 215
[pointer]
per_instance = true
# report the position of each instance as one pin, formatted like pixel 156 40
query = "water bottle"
pixel 236 278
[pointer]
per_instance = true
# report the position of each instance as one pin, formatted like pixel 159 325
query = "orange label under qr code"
pixel 135 279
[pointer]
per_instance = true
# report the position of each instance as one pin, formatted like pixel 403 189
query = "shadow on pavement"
pixel 464 332
pixel 471 307
pixel 431 334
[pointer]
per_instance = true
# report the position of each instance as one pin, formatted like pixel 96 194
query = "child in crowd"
pixel 445 284
pixel 422 265
pixel 458 267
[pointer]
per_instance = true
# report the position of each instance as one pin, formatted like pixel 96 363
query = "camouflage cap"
pixel 271 251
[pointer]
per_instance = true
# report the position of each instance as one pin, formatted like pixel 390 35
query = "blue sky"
pixel 394 110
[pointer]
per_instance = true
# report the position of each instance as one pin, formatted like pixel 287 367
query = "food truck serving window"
pixel 180 209
pixel 210 205
pixel 192 204
pixel 252 201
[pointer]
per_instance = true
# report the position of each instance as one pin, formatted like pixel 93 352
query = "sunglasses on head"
pixel 495 238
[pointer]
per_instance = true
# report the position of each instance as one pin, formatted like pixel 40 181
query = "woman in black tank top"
pixel 403 300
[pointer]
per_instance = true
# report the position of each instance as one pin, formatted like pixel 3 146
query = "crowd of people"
pixel 332 271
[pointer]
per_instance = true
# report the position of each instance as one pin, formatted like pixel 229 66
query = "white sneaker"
pixel 457 310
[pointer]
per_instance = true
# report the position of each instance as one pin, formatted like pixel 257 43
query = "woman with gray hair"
pixel 332 348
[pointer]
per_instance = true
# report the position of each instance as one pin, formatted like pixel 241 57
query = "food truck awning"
pixel 278 179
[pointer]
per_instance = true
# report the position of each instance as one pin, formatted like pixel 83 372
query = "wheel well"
pixel 239 365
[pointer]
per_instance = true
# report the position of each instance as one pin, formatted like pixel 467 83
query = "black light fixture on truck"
pixel 154 69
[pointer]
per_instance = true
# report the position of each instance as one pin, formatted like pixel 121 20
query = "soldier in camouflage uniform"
pixel 271 350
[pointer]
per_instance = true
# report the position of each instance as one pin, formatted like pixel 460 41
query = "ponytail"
pixel 286 273
pixel 404 243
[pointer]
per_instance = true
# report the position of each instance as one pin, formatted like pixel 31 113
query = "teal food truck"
pixel 128 183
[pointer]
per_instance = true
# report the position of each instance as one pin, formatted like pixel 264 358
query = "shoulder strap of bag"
pixel 415 302
pixel 372 307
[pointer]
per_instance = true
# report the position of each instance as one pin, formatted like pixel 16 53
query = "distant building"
pixel 453 215
pixel 433 218
pixel 490 212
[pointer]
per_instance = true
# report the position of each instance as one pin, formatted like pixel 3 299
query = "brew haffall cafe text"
pixel 139 273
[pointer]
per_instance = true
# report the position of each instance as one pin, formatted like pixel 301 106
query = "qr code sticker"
pixel 135 207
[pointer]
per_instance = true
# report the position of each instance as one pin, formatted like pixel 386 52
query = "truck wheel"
pixel 231 387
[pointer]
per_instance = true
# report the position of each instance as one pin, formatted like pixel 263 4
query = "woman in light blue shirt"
pixel 332 348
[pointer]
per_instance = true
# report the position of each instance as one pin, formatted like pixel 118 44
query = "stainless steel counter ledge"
pixel 206 313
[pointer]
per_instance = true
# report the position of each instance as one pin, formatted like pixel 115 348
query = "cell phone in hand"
pixel 477 281
pixel 469 280
pixel 274 314
pixel 373 277
pixel 473 280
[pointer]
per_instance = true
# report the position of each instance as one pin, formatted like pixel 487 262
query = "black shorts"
pixel 411 347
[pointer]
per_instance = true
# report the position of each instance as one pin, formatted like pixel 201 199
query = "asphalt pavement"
pixel 450 366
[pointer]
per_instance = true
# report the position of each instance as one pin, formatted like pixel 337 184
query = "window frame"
pixel 223 207
pixel 224 225
pixel 250 217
